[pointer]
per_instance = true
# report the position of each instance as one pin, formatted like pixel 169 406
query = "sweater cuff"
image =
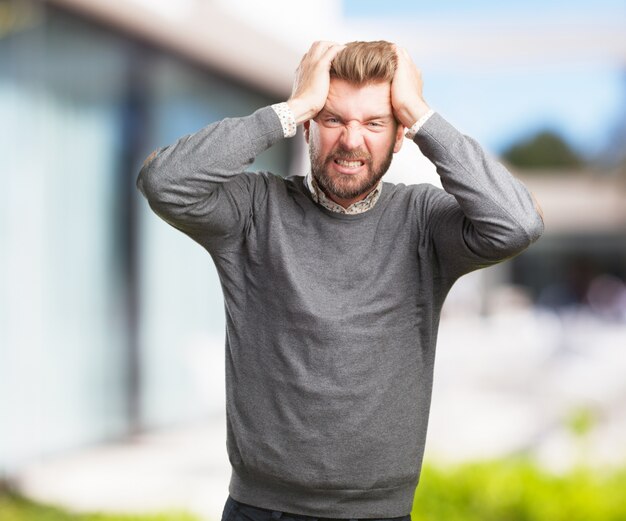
pixel 410 134
pixel 287 119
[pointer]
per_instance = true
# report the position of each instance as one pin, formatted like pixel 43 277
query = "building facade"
pixel 95 290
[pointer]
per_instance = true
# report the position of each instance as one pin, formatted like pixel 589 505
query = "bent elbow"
pixel 525 235
pixel 535 231
pixel 148 181
pixel 510 243
pixel 529 228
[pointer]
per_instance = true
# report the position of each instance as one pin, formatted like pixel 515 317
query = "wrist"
pixel 301 110
pixel 415 128
pixel 410 114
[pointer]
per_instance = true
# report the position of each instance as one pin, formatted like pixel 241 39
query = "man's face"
pixel 353 139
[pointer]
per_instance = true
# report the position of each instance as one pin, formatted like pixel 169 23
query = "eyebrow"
pixel 328 112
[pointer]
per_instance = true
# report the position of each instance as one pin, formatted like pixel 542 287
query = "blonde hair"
pixel 365 62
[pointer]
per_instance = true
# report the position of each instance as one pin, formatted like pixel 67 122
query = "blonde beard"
pixel 332 184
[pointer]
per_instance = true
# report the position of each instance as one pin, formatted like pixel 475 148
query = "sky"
pixel 390 8
pixel 581 94
pixel 501 71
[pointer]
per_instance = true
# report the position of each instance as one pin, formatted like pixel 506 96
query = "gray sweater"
pixel 331 319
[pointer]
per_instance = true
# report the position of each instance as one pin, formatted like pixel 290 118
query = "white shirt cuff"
pixel 287 119
pixel 418 124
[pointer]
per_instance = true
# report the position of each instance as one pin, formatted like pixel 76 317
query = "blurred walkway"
pixel 184 468
pixel 549 386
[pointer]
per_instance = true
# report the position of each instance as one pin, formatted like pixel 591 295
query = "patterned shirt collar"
pixel 355 208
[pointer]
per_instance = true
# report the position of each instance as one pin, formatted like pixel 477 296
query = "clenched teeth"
pixel 349 164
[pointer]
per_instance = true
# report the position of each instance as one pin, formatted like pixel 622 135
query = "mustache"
pixel 350 155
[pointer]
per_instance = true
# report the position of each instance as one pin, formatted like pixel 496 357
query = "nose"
pixel 351 137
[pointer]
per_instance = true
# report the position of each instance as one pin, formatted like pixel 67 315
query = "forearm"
pixel 502 212
pixel 181 180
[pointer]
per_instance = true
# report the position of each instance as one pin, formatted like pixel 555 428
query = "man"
pixel 333 283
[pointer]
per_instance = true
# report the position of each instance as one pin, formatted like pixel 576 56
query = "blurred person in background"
pixel 334 281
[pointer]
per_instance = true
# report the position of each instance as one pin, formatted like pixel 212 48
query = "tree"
pixel 544 150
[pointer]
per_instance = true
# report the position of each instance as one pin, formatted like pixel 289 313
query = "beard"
pixel 347 186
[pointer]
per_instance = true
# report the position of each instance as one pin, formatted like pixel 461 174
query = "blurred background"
pixel 111 322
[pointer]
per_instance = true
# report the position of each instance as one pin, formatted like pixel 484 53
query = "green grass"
pixel 16 508
pixel 518 490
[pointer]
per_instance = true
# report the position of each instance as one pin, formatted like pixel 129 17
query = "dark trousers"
pixel 236 511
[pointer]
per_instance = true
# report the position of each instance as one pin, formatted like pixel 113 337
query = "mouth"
pixel 348 166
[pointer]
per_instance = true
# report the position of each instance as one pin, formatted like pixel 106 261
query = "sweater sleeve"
pixel 199 185
pixel 485 214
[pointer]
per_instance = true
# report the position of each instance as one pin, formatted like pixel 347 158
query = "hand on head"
pixel 406 90
pixel 312 82
pixel 310 87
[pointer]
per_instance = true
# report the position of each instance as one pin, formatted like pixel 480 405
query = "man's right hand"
pixel 312 81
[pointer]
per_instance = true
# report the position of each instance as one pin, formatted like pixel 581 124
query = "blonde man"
pixel 334 280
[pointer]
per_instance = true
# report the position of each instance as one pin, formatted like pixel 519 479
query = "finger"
pixel 402 54
pixel 333 51
pixel 320 47
pixel 334 47
pixel 315 52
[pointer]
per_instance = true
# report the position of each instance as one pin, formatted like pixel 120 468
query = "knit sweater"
pixel 331 319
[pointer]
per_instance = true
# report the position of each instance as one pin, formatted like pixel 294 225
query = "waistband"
pixel 311 504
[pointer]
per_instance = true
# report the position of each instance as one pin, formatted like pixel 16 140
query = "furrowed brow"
pixel 325 112
pixel 328 112
pixel 379 117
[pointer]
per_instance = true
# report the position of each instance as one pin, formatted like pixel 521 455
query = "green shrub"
pixel 517 490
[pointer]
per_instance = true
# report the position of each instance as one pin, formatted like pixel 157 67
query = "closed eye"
pixel 331 121
pixel 377 125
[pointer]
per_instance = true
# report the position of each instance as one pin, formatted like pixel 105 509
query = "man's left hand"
pixel 406 90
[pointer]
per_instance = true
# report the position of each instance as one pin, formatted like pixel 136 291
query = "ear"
pixel 399 139
pixel 306 125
